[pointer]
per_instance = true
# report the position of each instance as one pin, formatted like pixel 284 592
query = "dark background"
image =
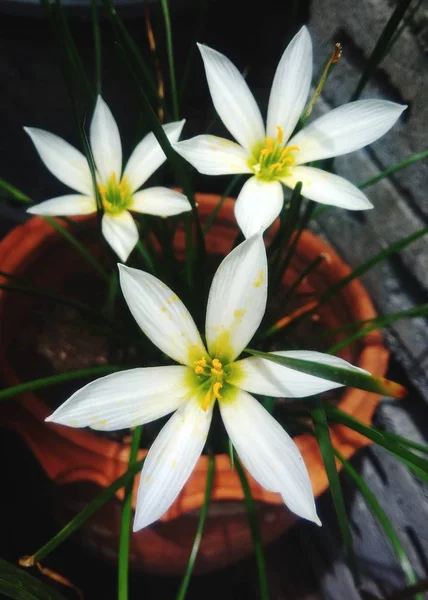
pixel 307 562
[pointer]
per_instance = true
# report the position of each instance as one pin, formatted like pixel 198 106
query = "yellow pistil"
pixel 270 160
pixel 116 196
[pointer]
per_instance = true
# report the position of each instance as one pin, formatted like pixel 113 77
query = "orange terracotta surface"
pixel 81 463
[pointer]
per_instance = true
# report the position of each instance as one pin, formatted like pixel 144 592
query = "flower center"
pixel 270 160
pixel 210 374
pixel 115 196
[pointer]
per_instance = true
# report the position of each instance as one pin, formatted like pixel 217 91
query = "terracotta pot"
pixel 80 462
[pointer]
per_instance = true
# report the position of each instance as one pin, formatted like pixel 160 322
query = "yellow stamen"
pixel 216 387
pixel 292 148
pixel 280 134
pixel 199 370
pixel 217 364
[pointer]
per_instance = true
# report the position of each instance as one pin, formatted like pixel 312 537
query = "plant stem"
pixel 125 524
pixel 201 523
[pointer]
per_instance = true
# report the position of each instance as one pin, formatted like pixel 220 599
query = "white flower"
pixel 268 154
pixel 236 304
pixel 118 190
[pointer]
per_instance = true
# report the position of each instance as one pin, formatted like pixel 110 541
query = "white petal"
pixel 72 204
pixel 261 376
pixel 160 201
pixel 291 85
pixel 212 155
pixel 105 142
pixel 345 129
pixel 148 155
pixel 232 98
pixel 161 315
pixel 258 205
pixel 328 188
pixel 125 399
pixel 121 233
pixel 170 461
pixel 269 453
pixel 237 299
pixel 63 160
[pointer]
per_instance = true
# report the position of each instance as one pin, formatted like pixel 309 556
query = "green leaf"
pixel 97 44
pixel 84 514
pixel 14 192
pixel 382 175
pixel 44 382
pixel 123 35
pixel 170 53
pixel 253 522
pixel 322 434
pixel 357 379
pixel 414 462
pixel 125 522
pixel 201 523
pixel 17 584
pixel 382 519
pixel 78 246
pixel 229 189
pixel 381 47
pixel 359 271
pixel 401 165
pixel 377 323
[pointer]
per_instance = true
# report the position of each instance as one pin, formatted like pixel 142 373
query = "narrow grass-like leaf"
pixel 288 223
pixel 397 167
pixel 416 311
pixel 322 434
pixel 381 46
pixel 125 522
pixel 361 270
pixel 82 516
pixel 14 192
pixel 145 255
pixel 255 530
pixel 97 44
pixel 378 258
pixel 304 220
pixel 382 519
pixel 201 523
pixel 416 463
pixel 277 326
pixel 78 246
pixel 33 291
pixel 229 189
pixel 414 158
pixel 44 382
pixel 181 173
pixel 357 379
pixel 170 54
pixel 68 48
pixel 199 34
pixel 19 585
pixel 123 35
